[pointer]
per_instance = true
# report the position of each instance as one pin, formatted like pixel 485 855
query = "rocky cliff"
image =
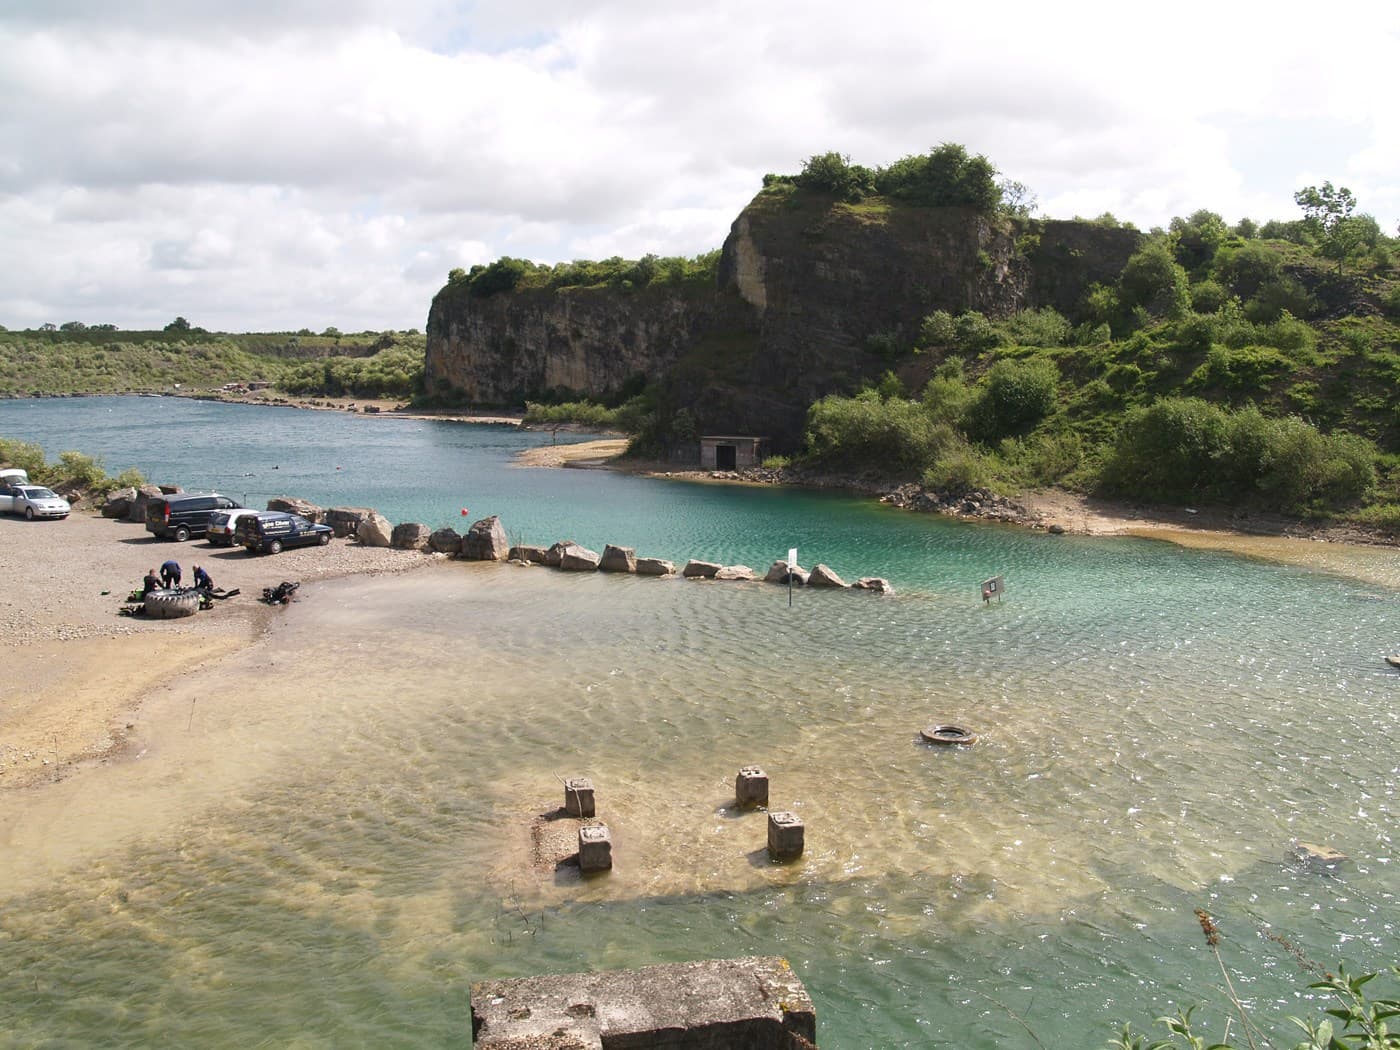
pixel 813 297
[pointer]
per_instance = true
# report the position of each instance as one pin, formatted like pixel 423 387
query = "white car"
pixel 33 501
pixel 221 524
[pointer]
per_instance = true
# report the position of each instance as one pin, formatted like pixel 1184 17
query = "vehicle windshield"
pixel 35 493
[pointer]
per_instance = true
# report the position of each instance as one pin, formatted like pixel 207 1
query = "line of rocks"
pixel 486 540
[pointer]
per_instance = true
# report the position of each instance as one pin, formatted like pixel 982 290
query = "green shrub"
pixel 938 329
pixel 23 455
pixel 1208 296
pixel 1290 334
pixel 1244 370
pixel 864 430
pixel 1391 301
pixel 948 396
pixel 1044 327
pixel 1182 449
pixel 776 462
pixel 958 467
pixel 1016 396
pixel 1277 295
pixel 975 333
pixel 1379 516
pixel 1154 281
pixel 583 413
pixel 1246 268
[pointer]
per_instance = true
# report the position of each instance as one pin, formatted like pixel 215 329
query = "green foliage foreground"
pixel 74 471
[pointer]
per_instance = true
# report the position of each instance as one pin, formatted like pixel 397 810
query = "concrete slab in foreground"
pixel 756 1003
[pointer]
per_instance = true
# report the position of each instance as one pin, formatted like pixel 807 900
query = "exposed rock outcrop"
pixel 118 503
pixel 655 567
pixel 574 558
pixel 485 541
pixel 529 554
pixel 445 541
pixel 808 292
pixel 822 576
pixel 700 570
pixel 874 583
pixel 345 521
pixel 292 505
pixel 618 559
pixel 734 572
pixel 375 530
pixel 410 536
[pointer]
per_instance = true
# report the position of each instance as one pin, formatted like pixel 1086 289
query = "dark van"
pixel 182 516
pixel 272 530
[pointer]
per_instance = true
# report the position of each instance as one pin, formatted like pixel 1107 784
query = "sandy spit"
pixel 84 666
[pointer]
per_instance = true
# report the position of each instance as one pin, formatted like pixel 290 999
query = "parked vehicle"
pixel 182 516
pixel 33 501
pixel 270 531
pixel 221 525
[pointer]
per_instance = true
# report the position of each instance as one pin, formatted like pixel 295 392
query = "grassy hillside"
pixel 108 361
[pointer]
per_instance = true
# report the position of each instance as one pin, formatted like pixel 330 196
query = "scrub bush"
pixel 895 434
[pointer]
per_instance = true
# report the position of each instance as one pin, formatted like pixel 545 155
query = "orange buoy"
pixel 464 512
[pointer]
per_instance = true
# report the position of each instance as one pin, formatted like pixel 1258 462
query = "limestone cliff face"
pixel 813 297
pixel 505 348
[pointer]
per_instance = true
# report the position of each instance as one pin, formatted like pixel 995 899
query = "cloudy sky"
pixel 277 164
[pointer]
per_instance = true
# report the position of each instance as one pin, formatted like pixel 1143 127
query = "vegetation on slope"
pixel 100 359
pixel 1221 366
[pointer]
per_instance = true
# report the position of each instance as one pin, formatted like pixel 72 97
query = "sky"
pixel 272 165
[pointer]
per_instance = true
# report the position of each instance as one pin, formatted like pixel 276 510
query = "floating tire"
pixel 171 605
pixel 944 734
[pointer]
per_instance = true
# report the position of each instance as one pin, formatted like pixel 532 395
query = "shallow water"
pixel 326 838
pixel 332 856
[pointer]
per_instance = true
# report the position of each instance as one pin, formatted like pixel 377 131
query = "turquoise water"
pixel 330 858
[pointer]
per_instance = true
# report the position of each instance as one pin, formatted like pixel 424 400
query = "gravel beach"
pixel 84 665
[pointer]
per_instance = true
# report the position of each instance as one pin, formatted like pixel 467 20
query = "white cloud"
pixel 261 165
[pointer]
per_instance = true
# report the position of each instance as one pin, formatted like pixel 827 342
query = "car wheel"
pixel 275 547
pixel 324 538
pixel 28 513
pixel 182 534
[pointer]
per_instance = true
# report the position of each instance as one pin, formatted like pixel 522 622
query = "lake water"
pixel 330 859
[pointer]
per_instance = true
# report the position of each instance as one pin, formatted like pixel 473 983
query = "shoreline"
pixel 92 667
pixel 87 668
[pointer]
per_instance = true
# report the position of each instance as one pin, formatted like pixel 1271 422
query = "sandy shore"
pixel 84 665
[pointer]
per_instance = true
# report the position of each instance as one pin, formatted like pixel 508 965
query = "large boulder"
pixel 446 541
pixel 345 521
pixel 485 541
pixel 531 555
pixel 118 503
pixel 655 567
pixel 618 559
pixel 700 570
pixel 734 572
pixel 410 536
pixel 375 530
pixel 574 558
pixel 821 576
pixel 292 505
pixel 779 572
pixel 555 553
pixel 144 495
pixel 874 583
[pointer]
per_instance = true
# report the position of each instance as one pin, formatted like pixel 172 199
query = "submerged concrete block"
pixel 751 787
pixel 578 797
pixel 757 1003
pixel 786 835
pixel 594 848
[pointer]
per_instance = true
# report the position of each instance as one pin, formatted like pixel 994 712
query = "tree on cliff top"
pixel 946 176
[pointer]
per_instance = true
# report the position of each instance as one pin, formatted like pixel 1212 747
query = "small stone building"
pixel 730 453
